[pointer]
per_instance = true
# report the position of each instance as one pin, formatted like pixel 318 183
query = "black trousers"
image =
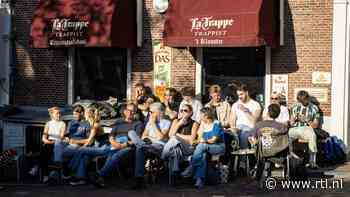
pixel 46 156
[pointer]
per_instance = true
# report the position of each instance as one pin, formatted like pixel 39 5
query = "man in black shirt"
pixel 119 141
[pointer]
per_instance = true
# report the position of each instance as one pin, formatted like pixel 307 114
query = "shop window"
pixel 100 73
pixel 226 66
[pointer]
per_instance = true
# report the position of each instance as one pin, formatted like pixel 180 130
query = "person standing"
pixel 221 107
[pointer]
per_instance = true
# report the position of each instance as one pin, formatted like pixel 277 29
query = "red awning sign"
pixel 218 23
pixel 86 23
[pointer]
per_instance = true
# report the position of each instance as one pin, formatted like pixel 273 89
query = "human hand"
pixel 243 108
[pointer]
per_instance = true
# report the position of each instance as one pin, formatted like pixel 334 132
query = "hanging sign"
pixel 162 59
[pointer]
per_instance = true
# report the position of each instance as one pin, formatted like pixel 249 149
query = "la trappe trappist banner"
pixel 84 23
pixel 220 23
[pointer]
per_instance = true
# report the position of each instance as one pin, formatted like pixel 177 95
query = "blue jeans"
pixel 141 149
pixel 63 149
pixel 199 158
pixel 81 158
pixel 112 161
pixel 244 134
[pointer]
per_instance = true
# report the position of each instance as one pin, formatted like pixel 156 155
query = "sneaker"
pixel 34 170
pixel 199 183
pixel 187 172
pixel 77 182
pixel 312 166
pixel 66 176
pixel 45 179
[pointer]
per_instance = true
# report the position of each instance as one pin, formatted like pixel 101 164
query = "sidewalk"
pixel 241 186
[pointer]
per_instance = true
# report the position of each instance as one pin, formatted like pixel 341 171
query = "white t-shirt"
pixel 241 116
pixel 196 106
pixel 282 118
pixel 55 128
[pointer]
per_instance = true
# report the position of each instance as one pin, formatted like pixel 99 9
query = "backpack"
pixel 335 151
pixel 297 170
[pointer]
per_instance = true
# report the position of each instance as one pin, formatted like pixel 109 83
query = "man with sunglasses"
pixel 283 116
pixel 119 141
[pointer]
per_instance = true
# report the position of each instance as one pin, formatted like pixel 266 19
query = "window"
pixel 100 73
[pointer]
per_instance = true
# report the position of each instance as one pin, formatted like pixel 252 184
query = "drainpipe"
pixel 13 70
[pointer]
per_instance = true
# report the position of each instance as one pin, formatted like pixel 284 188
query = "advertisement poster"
pixel 321 94
pixel 162 59
pixel 280 84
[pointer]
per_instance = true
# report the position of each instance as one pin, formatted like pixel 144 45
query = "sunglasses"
pixel 184 110
pixel 274 98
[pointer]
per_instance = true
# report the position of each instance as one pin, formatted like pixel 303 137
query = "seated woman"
pixel 182 134
pixel 96 144
pixel 211 140
pixel 54 130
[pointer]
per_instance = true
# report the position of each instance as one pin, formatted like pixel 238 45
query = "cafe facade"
pixel 72 49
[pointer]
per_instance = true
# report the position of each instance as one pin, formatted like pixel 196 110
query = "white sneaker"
pixel 78 182
pixel 187 172
pixel 34 170
pixel 45 179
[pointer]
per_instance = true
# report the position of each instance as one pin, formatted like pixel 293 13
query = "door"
pixel 230 66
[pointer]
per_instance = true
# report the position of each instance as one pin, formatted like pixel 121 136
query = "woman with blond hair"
pixel 54 130
pixel 96 144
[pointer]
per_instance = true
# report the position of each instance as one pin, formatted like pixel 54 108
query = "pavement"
pixel 326 182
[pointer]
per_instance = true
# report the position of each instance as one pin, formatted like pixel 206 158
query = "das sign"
pixel 162 59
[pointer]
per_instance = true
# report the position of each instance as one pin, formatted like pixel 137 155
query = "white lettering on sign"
pixel 205 23
pixel 66 25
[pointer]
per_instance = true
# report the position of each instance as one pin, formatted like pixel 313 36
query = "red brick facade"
pixel 42 75
pixel 308 45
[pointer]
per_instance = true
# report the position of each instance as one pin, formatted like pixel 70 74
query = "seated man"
pixel 273 137
pixel 305 117
pixel 284 113
pixel 119 142
pixel 153 140
pixel 79 135
pixel 244 115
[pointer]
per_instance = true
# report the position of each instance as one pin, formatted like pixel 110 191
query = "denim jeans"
pixel 63 149
pixel 199 158
pixel 112 161
pixel 244 133
pixel 81 158
pixel 174 151
pixel 141 149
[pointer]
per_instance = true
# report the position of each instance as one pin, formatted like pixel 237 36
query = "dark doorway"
pixel 229 66
pixel 100 73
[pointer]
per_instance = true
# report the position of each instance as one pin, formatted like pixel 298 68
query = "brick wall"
pixel 183 63
pixel 308 45
pixel 41 73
